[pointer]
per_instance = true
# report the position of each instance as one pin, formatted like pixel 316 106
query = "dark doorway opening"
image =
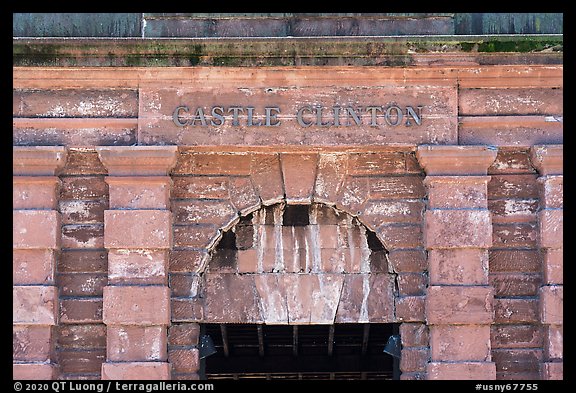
pixel 339 351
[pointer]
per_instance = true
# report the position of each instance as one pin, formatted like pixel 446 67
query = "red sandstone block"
pixel 459 304
pixel 230 297
pixel 187 310
pixel 412 284
pixel 515 285
pixel 83 187
pixel 356 305
pixel 209 187
pixel 554 266
pixel 521 360
pixel 195 235
pixel 82 162
pixel 520 235
pixel 552 191
pixel 352 195
pixel 514 260
pixel 184 360
pixel 136 371
pixel 137 160
pixel 394 187
pixel 136 343
pixel 457 228
pixel 34 192
pixel 204 211
pixel 552 371
pixel 554 342
pixel 32 343
pixel 515 101
pixel 551 226
pixel 83 261
pixel 34 266
pixel 137 266
pixel 414 334
pixel 513 210
pixel 552 304
pixel 376 163
pixel 243 196
pixel 81 337
pixel 516 336
pixel 524 186
pixel 394 236
pixel 458 266
pixel 410 308
pixel 38 160
pixel 455 160
pixel 87 361
pixel 81 284
pixel 461 371
pixel 247 261
pixel 83 212
pixel 414 359
pixel 514 311
pixel 34 305
pixel 465 192
pixel 460 343
pixel 183 334
pixel 512 160
pixel 187 260
pixel 139 192
pixel 184 284
pixel 299 174
pixel 31 371
pixel 137 229
pixel 378 212
pixel 135 305
pixel 83 236
pixel 80 311
pixel 35 229
pixel 330 175
pixel 266 176
pixel 405 261
pixel 206 163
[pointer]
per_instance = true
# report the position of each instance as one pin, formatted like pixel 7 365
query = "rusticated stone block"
pixel 32 343
pixel 204 211
pixel 551 191
pixel 459 305
pixel 136 343
pixel 80 311
pixel 366 298
pixel 552 304
pixel 554 342
pixel 457 228
pixel 183 334
pixel 299 174
pixel 34 266
pixel 31 371
pixel 516 336
pixel 137 229
pixel 35 305
pixel 551 228
pixel 548 159
pixel 136 371
pixel 330 175
pixel 461 371
pixel 35 229
pixel 34 192
pixel 464 192
pixel 554 266
pixel 184 360
pixel 460 343
pixel 139 192
pixel 353 195
pixel 229 298
pixel 242 195
pixel 266 175
pixel 458 266
pixel 137 266
pixel 414 334
pixel 414 359
pixel 410 308
pixel 514 311
pixel 136 305
pixel 552 371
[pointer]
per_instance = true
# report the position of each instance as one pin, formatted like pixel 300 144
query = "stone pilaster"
pixel 457 235
pixel 548 160
pixel 138 236
pixel 36 242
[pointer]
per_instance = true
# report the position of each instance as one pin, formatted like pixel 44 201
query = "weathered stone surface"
pixel 459 305
pixel 136 370
pixel 34 371
pixel 137 160
pixel 457 343
pixel 366 298
pixel 34 192
pixel 457 192
pixel 230 298
pixel 136 343
pixel 299 174
pixel 34 229
pixel 36 266
pixel 455 160
pixel 147 229
pixel 38 160
pixel 548 159
pixel 35 305
pixel 458 266
pixel 136 305
pixel 137 266
pixel 457 228
pixel 552 304
pixel 139 192
pixel 331 170
pixel 32 343
pixel 461 370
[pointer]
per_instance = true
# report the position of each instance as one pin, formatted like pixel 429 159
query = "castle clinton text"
pixel 307 115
